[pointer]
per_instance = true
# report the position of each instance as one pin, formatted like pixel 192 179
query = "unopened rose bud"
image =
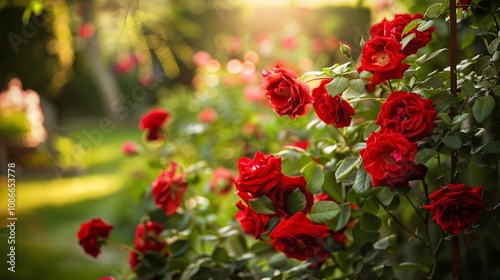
pixel 345 50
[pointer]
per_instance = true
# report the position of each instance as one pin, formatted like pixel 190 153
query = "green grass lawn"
pixel 50 211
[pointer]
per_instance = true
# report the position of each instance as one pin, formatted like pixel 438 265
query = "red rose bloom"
pixel 150 235
pixel 286 186
pixel 168 189
pixel 389 159
pixel 407 113
pixel 299 238
pixel 394 29
pixel 152 122
pixel 382 56
pixel 259 175
pixel 221 181
pixel 455 207
pixel 92 235
pixel 331 110
pixel 147 239
pixel 252 222
pixel 286 94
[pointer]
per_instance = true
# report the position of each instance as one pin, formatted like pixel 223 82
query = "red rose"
pixel 152 122
pixel 286 94
pixel 331 110
pixel 286 186
pixel 150 235
pixel 299 238
pixel 382 56
pixel 389 159
pixel 168 189
pixel 455 207
pixel 92 235
pixel 407 113
pixel 221 181
pixel 252 222
pixel 107 278
pixel 259 175
pixel 394 29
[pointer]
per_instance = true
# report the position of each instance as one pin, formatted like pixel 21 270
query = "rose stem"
pixel 454 152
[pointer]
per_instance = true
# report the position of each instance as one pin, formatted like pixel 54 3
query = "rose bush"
pixel 347 192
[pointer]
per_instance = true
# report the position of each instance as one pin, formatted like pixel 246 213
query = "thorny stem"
pixel 399 222
pixel 366 99
pixel 414 207
pixel 454 152
pixel 435 255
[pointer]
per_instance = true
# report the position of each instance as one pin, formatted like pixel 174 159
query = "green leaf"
pixel 467 40
pixel 394 204
pixel 345 215
pixel 314 176
pixel 424 155
pixel 436 53
pixel 358 85
pixel 457 120
pixel 468 88
pixel 453 142
pixel 323 211
pixel 371 206
pixel 346 166
pixel 482 108
pixel 385 242
pixel 493 46
pixel 296 201
pixel 370 222
pixel 442 98
pixel 363 181
pixel 433 11
pixel 412 24
pixel 332 188
pixel 481 63
pixel 424 25
pixel 179 248
pixel 220 255
pixel 369 129
pixel 496 90
pixel 492 147
pixel 236 244
pixel 445 117
pixel 407 39
pixel 337 86
pixel 412 266
pixel 432 82
pixel 262 205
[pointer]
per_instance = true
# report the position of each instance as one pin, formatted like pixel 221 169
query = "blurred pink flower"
pixel 201 58
pixel 86 31
pixel 130 148
pixel 207 115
